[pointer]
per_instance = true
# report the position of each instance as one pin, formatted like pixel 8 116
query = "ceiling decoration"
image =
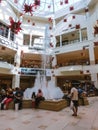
pixel 14 26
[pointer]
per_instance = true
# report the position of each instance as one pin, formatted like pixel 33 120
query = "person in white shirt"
pixel 74 100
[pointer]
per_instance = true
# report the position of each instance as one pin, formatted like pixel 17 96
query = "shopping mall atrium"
pixel 53 40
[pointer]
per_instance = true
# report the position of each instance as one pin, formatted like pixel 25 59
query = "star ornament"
pixel 15 26
pixel 28 8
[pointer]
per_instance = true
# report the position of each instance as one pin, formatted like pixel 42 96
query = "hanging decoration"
pixel 61 2
pixel 15 26
pixel 86 10
pixel 50 19
pixel 33 24
pixel 71 8
pixel 50 28
pixel 73 17
pixel 95 30
pixel 49 6
pixel 96 43
pixel 66 1
pixel 96 27
pixel 70 25
pixel 77 26
pixel 28 8
pixel 15 1
pixel 51 45
pixel 65 20
pixel 37 2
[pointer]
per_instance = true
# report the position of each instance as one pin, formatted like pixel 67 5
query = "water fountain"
pixel 50 91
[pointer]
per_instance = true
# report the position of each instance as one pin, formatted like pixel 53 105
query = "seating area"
pixel 54 105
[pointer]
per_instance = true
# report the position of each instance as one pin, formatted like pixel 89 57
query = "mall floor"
pixel 32 119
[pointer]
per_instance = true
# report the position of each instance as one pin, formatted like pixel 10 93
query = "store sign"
pixel 30 71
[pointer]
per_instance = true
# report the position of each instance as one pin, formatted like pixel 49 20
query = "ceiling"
pixel 46 8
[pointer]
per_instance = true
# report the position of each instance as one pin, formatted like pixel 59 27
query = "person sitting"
pixel 8 98
pixel 33 99
pixel 39 97
pixel 18 96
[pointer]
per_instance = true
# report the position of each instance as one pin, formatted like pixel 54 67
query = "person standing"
pixel 74 100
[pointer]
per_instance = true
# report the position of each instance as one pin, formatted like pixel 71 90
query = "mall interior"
pixel 56 42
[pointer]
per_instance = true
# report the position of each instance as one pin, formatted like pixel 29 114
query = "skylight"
pixel 46 8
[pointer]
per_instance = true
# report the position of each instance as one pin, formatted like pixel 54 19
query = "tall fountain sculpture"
pixel 49 89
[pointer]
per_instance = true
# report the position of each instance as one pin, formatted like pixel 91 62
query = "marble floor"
pixel 32 119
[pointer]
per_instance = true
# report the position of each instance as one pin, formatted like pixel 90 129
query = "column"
pixel 30 44
pixel 80 35
pixel 16 81
pixel 9 32
pixel 94 79
pixel 60 41
pixel 91 54
pixel 17 58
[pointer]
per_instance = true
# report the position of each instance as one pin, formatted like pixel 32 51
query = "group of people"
pixel 9 95
pixel 36 98
pixel 17 96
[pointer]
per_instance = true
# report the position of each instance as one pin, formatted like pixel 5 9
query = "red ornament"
pixel 95 43
pixel 66 1
pixel 15 1
pixel 28 20
pixel 95 29
pixel 50 19
pixel 28 8
pixel 71 8
pixel 70 25
pixel 51 45
pixel 49 6
pixel 37 2
pixel 33 24
pixel 73 17
pixel 65 20
pixel 77 26
pixel 61 2
pixel 15 26
pixel 86 10
pixel 50 27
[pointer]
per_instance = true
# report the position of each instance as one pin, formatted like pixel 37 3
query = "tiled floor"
pixel 32 119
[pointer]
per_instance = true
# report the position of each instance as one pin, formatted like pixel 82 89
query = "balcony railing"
pixel 6 65
pixel 10 44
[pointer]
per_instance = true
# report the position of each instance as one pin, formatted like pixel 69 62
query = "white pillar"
pixel 91 54
pixel 80 34
pixel 16 81
pixel 89 29
pixel 9 32
pixel 60 41
pixel 94 79
pixel 30 44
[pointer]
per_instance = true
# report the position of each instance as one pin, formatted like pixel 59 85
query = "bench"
pixel 54 105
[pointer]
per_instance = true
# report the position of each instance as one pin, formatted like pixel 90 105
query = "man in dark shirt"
pixel 18 96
